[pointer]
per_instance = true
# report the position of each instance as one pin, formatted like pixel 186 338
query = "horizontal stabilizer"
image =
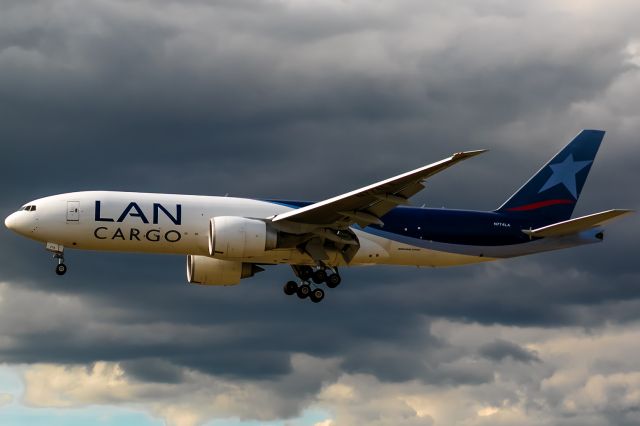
pixel 573 226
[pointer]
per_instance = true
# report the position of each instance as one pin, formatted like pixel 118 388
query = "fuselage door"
pixel 73 211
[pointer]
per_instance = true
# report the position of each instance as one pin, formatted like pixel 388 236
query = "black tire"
pixel 319 276
pixel 333 280
pixel 290 288
pixel 303 291
pixel 317 295
pixel 305 272
pixel 61 269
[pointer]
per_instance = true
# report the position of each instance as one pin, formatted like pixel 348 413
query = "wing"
pixel 367 205
pixel 573 226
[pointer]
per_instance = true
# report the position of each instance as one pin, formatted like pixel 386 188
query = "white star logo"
pixel 565 173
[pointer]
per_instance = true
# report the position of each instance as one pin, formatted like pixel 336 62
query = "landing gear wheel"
pixel 333 280
pixel 303 291
pixel 61 269
pixel 305 272
pixel 317 295
pixel 319 276
pixel 290 288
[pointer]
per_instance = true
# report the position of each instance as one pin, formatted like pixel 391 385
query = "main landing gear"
pixel 58 254
pixel 309 280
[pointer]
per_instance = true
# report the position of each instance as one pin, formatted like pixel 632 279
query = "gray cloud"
pixel 499 349
pixel 153 371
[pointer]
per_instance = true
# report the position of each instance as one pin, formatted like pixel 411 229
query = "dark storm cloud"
pixel 265 100
pixel 136 94
pixel 499 349
pixel 153 370
pixel 259 334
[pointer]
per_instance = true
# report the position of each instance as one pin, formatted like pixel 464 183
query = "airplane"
pixel 227 239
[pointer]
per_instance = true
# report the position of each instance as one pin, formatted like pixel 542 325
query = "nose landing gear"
pixel 58 254
pixel 310 279
pixel 61 268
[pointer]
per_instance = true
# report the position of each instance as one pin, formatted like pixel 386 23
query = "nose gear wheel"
pixel 58 254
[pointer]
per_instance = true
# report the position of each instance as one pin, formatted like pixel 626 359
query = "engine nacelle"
pixel 209 271
pixel 233 237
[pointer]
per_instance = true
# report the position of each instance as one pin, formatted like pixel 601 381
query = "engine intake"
pixel 209 271
pixel 233 237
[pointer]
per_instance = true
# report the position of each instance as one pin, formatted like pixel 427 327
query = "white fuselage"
pixel 179 224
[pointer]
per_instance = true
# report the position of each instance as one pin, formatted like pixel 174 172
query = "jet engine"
pixel 233 237
pixel 209 271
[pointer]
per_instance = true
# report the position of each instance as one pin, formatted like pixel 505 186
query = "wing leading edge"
pixel 367 205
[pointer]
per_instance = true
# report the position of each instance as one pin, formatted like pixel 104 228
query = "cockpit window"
pixel 30 208
pixel 33 208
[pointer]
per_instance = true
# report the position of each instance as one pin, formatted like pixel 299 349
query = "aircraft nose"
pixel 11 221
pixel 20 223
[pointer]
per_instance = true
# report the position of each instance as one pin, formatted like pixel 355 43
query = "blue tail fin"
pixel 551 194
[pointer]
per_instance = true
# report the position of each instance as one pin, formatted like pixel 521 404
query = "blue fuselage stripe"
pixel 462 227
pixel 468 232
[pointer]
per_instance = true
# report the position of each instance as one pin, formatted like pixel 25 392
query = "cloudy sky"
pixel 306 99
